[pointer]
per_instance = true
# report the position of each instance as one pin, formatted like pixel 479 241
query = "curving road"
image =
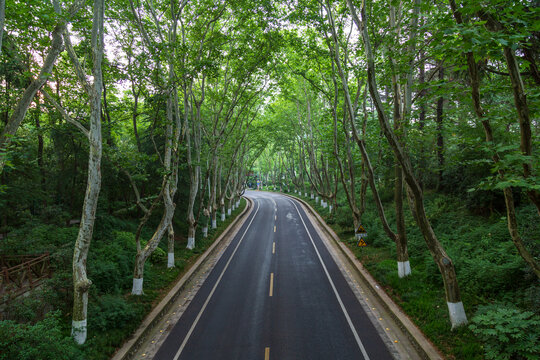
pixel 276 293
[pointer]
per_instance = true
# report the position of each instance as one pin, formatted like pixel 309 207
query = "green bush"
pixel 111 312
pixel 344 217
pixel 42 341
pixel 507 332
pixel 112 264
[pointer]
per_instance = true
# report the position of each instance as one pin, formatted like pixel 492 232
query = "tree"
pixel 446 267
pixel 27 97
pixel 525 146
pixel 81 283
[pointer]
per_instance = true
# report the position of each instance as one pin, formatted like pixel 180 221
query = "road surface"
pixel 276 293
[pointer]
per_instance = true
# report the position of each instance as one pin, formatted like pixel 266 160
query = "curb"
pixel 424 347
pixel 130 347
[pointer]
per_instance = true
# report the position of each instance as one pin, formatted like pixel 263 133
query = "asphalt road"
pixel 276 293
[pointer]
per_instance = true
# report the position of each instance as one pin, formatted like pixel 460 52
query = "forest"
pixel 130 130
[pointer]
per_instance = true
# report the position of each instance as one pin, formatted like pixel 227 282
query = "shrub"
pixel 111 312
pixel 507 332
pixel 42 341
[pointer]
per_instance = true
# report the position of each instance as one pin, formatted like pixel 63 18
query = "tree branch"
pixel 64 114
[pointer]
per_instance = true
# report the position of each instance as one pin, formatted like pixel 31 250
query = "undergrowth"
pixel 38 326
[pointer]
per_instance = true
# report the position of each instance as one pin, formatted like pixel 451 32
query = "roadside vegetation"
pixel 140 123
pixel 37 326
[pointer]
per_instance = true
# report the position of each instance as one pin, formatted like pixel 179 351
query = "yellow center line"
pixel 273 248
pixel 274 228
pixel 275 217
pixel 267 353
pixel 271 284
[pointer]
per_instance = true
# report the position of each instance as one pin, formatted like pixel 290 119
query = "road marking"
pixel 271 284
pixel 349 321
pixel 275 217
pixel 273 248
pixel 267 353
pixel 214 289
pixel 274 228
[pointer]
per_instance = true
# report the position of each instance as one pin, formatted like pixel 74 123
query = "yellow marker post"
pixel 267 353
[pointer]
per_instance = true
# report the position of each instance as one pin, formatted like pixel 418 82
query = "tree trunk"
pixel 170 246
pixel 214 219
pixel 134 118
pixel 2 21
pixel 81 283
pixel 421 120
pixel 404 268
pixel 138 273
pixel 40 148
pixel 440 139
pixel 520 100
pixel 143 254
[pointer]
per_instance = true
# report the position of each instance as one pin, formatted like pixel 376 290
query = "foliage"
pixel 113 315
pixel 43 341
pixel 507 332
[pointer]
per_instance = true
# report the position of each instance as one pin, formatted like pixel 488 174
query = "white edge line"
pixel 213 290
pixel 355 333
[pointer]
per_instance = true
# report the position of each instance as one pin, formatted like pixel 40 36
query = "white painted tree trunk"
pixel 316 200
pixel 191 237
pixel 79 329
pixel 330 208
pixel 214 219
pixel 229 211
pixel 137 288
pixel 404 268
pixel 205 231
pixel 457 314
pixel 170 243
